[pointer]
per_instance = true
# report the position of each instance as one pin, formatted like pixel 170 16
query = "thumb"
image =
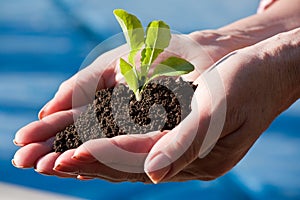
pixel 80 89
pixel 175 150
pixel 195 136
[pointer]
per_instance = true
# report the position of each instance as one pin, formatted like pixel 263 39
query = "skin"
pixel 269 70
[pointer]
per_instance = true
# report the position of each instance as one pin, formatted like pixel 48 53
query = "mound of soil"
pixel 115 111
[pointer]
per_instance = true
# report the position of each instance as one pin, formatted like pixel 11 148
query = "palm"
pixel 61 110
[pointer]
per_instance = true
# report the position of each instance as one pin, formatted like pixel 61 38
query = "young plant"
pixel 153 42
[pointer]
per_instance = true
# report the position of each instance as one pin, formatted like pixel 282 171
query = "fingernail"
pixel 17 144
pixel 158 167
pixel 83 157
pixel 15 165
pixel 66 168
pixel 41 114
pixel 42 172
pixel 84 178
pixel 80 158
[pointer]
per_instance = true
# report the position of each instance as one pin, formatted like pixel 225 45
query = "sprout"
pixel 153 42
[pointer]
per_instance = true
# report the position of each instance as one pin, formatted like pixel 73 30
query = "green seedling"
pixel 154 41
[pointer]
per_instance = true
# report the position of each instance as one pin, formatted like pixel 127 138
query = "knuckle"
pixel 63 86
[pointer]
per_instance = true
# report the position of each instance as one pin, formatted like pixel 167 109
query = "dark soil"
pixel 115 111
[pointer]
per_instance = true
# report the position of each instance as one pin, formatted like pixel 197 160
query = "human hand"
pixel 259 83
pixel 208 47
pixel 60 111
pixel 238 71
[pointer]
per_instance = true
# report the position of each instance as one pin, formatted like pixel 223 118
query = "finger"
pixel 175 150
pixel 84 178
pixel 124 153
pixel 198 56
pixel 61 100
pixel 194 136
pixel 47 127
pixel 67 165
pixel 75 92
pixel 27 156
pixel 46 163
pixel 117 159
pixel 228 151
pixel 80 89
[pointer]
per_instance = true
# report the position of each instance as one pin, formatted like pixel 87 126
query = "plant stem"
pixel 138 96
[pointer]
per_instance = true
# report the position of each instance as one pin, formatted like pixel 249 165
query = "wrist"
pixel 282 16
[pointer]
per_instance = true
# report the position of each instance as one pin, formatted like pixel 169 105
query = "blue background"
pixel 44 42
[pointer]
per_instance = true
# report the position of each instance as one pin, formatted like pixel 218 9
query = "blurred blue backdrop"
pixel 44 42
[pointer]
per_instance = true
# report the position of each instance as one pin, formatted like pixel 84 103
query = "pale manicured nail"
pixel 13 163
pixel 42 111
pixel 84 178
pixel 42 172
pixel 66 168
pixel 17 166
pixel 17 144
pixel 158 167
pixel 82 157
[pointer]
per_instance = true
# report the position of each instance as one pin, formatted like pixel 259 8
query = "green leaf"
pixel 133 32
pixel 130 75
pixel 158 37
pixel 173 66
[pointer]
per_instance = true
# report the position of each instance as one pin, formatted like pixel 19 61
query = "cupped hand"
pixel 259 83
pixel 202 48
pixel 255 86
pixel 177 155
pixel 36 138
